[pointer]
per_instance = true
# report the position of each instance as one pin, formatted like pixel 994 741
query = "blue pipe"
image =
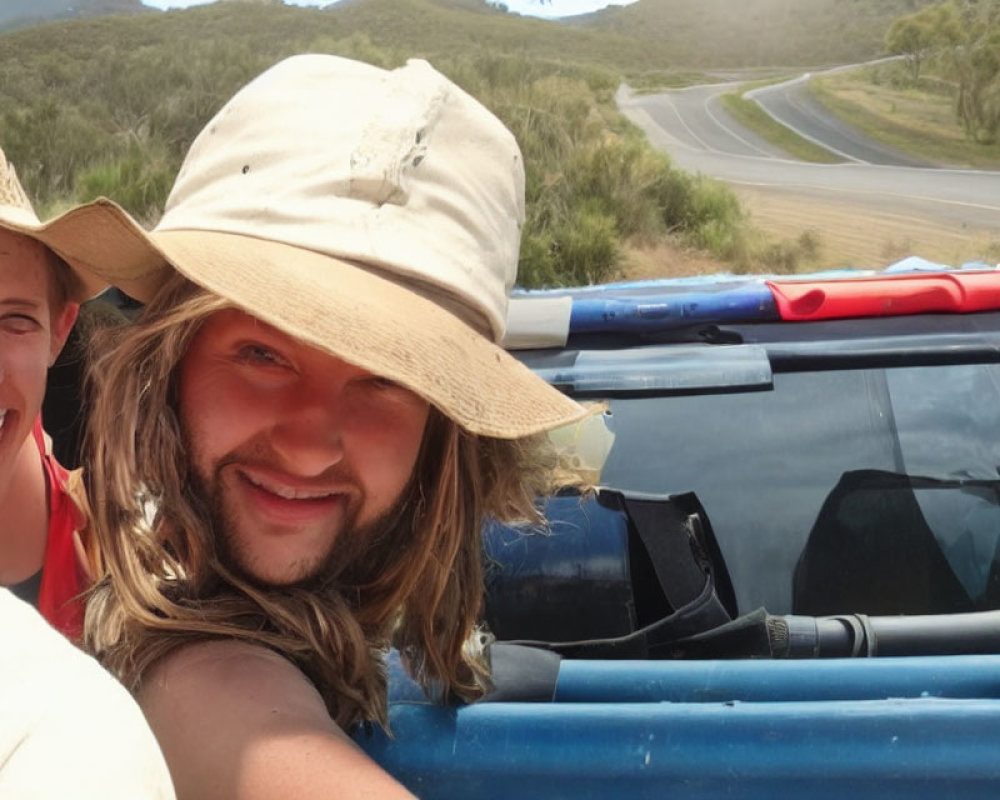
pixel 778 681
pixel 900 748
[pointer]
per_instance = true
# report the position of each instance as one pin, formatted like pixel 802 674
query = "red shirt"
pixel 63 576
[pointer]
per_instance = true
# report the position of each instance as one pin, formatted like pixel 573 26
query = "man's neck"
pixel 24 517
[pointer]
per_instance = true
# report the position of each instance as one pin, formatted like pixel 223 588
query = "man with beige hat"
pixel 294 448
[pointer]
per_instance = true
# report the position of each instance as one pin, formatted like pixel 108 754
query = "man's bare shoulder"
pixel 242 678
pixel 238 720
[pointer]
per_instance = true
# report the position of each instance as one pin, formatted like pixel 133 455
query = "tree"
pixel 972 56
pixel 916 36
pixel 978 100
pixel 910 38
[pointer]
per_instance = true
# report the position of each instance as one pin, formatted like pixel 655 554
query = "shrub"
pixel 781 257
pixel 621 178
pixel 582 248
pixel 48 142
pixel 810 244
pixel 139 181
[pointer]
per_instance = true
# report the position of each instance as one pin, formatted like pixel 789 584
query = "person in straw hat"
pixel 294 447
pixel 42 555
pixel 59 708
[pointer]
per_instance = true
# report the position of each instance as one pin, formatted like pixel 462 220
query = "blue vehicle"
pixel 787 584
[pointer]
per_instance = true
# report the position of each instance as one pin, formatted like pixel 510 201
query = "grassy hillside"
pixel 78 92
pixel 109 105
pixel 434 28
pixel 744 33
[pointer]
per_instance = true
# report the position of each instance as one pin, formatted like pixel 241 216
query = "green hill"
pixel 745 33
pixel 446 27
pixel 77 93
pixel 108 105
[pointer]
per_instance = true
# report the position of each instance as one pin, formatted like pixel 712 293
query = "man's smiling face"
pixel 32 332
pixel 291 446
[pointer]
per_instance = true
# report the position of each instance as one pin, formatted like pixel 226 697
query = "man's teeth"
pixel 287 492
pixel 3 413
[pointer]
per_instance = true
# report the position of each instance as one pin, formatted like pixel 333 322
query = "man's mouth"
pixel 286 504
pixel 287 492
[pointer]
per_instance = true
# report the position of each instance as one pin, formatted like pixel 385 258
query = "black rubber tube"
pixel 859 635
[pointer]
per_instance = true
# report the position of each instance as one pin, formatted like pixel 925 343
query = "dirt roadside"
pixel 850 236
pixel 868 236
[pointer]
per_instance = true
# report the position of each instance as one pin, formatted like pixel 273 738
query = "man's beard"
pixel 352 547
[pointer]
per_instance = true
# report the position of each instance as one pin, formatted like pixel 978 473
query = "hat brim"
pixel 60 236
pixel 339 307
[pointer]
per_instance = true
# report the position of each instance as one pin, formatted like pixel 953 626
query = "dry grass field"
pixel 866 238
pixel 849 237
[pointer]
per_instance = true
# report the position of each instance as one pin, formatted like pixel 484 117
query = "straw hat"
pixel 373 214
pixel 17 215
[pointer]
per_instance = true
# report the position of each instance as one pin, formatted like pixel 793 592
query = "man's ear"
pixel 62 324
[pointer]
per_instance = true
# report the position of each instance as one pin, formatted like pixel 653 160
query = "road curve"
pixel 792 104
pixel 691 126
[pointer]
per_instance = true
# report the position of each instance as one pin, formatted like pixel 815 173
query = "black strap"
pixel 666 533
pixel 681 550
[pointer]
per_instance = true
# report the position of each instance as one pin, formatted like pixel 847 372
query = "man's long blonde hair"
pixel 417 586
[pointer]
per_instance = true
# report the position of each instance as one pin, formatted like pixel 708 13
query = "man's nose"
pixel 308 433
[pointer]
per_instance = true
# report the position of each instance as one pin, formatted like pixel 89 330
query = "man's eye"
pixel 383 383
pixel 258 354
pixel 390 389
pixel 19 323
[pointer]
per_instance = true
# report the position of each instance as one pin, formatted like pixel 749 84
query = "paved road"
pixel 691 126
pixel 793 106
pixel 696 119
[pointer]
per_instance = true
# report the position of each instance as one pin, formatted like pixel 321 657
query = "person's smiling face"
pixel 292 447
pixel 32 332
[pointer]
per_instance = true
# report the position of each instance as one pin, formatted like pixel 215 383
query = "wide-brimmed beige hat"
pixel 375 214
pixel 18 215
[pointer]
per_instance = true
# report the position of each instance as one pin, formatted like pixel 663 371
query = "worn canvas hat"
pixel 374 214
pixel 17 215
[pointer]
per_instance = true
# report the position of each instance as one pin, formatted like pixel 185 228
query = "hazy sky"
pixel 555 8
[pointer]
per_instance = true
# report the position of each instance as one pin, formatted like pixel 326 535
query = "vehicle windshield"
pixel 779 472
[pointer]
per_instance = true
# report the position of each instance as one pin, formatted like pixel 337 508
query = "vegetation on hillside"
pixel 958 43
pixel 440 28
pixel 941 99
pixel 727 33
pixel 108 106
